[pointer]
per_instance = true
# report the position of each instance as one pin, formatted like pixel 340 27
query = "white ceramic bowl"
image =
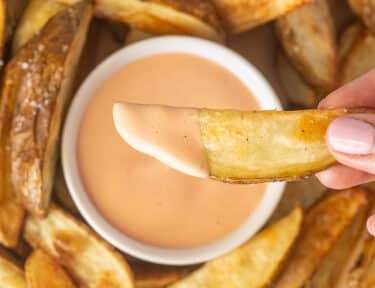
pixel 240 67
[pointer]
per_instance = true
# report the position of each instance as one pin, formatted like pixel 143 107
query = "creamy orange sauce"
pixel 137 194
pixel 169 134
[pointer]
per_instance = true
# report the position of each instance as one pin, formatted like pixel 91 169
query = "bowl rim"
pixel 241 68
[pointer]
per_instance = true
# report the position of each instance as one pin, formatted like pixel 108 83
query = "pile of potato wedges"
pixel 48 47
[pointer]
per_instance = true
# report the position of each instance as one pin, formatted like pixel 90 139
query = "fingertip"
pixel 329 178
pixel 371 225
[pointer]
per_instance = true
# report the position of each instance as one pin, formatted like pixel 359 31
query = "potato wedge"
pixel 241 15
pixel 299 93
pixel 186 17
pixel 47 64
pixel 366 10
pixel 42 271
pixel 322 227
pixel 362 274
pixel 148 275
pixel 360 59
pixel 35 16
pixel 252 265
pixel 259 146
pixel 309 39
pixel 337 261
pixel 88 258
pixel 11 276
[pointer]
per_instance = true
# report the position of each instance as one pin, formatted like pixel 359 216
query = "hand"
pixel 351 139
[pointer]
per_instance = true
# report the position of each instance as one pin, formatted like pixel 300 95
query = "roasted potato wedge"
pixel 362 275
pixel 40 77
pixel 252 265
pixel 148 275
pixel 87 258
pixel 366 10
pixel 361 57
pixel 322 227
pixel 299 93
pixel 35 16
pixel 42 271
pixel 336 262
pixel 11 276
pixel 187 17
pixel 259 146
pixel 241 15
pixel 309 39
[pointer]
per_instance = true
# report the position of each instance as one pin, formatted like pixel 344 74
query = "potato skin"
pixel 41 75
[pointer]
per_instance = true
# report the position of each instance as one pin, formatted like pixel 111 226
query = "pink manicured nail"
pixel 371 225
pixel 351 136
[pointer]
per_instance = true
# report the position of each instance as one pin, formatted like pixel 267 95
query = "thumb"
pixel 351 140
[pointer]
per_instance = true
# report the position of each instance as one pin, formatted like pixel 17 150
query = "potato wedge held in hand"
pixel 42 271
pixel 254 264
pixel 308 37
pixel 39 82
pixel 35 16
pixel 322 227
pixel 230 145
pixel 259 146
pixel 241 15
pixel 87 258
pixel 11 276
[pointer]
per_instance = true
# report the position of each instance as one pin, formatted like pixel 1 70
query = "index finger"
pixel 358 93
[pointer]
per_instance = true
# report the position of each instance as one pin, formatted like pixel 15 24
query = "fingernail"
pixel 351 136
pixel 371 225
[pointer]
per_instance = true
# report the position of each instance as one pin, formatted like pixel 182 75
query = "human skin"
pixel 351 139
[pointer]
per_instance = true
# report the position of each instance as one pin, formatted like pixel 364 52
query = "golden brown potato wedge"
pixel 42 271
pixel 362 275
pixel 241 15
pixel 309 39
pixel 136 35
pixel 252 265
pixel 336 262
pixel 366 10
pixel 87 258
pixel 258 146
pixel 11 276
pixel 187 17
pixel 322 227
pixel 40 80
pixel 35 16
pixel 148 275
pixel 361 57
pixel 299 93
